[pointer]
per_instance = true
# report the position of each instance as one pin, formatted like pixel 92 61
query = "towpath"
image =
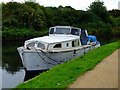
pixel 104 75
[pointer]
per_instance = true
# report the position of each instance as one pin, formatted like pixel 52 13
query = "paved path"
pixel 104 75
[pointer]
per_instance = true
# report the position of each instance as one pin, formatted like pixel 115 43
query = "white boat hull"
pixel 38 60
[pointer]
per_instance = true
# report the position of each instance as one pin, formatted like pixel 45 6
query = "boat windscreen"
pixel 62 30
pixel 75 31
pixel 40 45
pixel 51 30
pixel 32 44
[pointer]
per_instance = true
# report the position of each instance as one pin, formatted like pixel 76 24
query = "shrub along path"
pixel 104 75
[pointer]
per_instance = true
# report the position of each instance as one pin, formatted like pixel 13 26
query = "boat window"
pixel 76 42
pixel 32 44
pixel 51 30
pixel 62 30
pixel 75 31
pixel 73 44
pixel 58 46
pixel 40 45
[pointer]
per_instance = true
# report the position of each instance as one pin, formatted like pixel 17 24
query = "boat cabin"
pixel 65 30
pixel 60 37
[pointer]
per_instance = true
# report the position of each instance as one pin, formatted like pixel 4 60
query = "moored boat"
pixel 64 43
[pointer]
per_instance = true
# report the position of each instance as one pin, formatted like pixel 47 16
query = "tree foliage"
pixel 100 10
pixel 115 13
pixel 23 16
pixel 31 15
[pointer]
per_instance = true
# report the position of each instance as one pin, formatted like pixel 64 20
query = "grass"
pixel 63 75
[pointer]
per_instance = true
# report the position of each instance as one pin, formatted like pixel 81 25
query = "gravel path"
pixel 104 75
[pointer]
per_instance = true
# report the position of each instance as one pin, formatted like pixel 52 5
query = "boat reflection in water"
pixel 32 74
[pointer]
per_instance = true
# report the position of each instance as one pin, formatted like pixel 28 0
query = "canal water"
pixel 13 72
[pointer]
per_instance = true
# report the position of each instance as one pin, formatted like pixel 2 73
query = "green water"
pixel 10 57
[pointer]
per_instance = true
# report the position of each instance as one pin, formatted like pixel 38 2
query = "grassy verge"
pixel 63 75
pixel 21 34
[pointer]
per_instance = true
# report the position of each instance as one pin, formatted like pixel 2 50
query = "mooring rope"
pixel 51 58
pixel 43 58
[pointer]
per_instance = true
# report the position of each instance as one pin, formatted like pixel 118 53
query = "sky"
pixel 76 4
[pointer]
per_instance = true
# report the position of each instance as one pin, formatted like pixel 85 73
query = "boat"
pixel 64 43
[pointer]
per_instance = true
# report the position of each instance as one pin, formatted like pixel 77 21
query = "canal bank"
pixel 63 75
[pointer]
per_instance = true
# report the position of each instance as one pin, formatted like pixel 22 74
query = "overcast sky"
pixel 77 4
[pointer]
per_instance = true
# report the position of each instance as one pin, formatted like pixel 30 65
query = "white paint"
pixel 33 60
pixel 54 38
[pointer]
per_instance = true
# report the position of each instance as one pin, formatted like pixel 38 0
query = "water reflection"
pixel 12 80
pixel 29 75
pixel 10 58
pixel 12 68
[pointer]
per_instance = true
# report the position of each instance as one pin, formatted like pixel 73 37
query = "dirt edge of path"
pixel 104 75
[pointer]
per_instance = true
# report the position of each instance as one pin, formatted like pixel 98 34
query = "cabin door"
pixel 83 37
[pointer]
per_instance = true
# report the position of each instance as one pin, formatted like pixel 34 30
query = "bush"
pixel 10 22
pixel 21 34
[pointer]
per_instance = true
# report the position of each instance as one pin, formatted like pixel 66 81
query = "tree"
pixel 100 10
pixel 26 15
pixel 32 5
pixel 50 17
pixel 115 13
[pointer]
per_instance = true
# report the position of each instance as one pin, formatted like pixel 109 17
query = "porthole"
pixel 67 44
